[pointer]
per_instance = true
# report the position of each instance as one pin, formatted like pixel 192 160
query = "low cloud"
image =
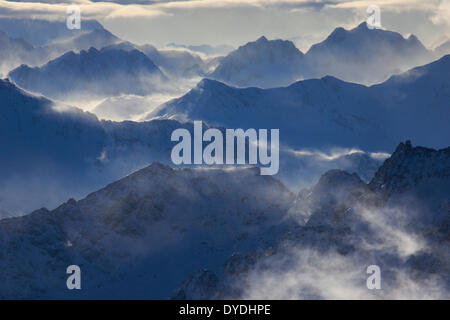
pixel 336 153
pixel 299 271
pixel 314 275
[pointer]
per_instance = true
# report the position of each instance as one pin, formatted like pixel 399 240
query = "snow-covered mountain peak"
pixel 413 38
pixel 278 46
pixel 210 84
pixel 344 53
pixel 153 170
pixel 262 39
pixel 263 62
pixel 99 33
pixel 12 96
pixel 154 217
pixel 336 35
pixel 362 33
pixel 361 39
pixel 429 76
pixel 109 71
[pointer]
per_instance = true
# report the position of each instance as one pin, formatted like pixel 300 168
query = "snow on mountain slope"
pixel 262 63
pixel 328 111
pixel 349 226
pixel 359 55
pixel 97 38
pixel 105 72
pixel 29 122
pixel 322 116
pixel 42 144
pixel 366 56
pixel 174 63
pixel 140 236
pixel 239 220
pixel 239 211
pixel 55 152
pixel 331 114
pixel 408 166
pixel 15 52
pixel 417 172
pixel 417 101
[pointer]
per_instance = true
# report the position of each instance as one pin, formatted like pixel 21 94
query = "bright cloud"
pixel 204 21
pixel 151 8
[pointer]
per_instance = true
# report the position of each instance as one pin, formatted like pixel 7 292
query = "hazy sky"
pixel 238 21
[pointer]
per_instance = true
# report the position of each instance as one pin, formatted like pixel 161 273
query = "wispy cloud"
pixel 47 9
pixel 399 4
pixel 301 272
pixel 335 154
pixel 151 8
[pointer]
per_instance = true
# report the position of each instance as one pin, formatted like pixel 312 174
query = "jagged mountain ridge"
pixel 343 54
pixel 15 52
pixel 396 173
pixel 70 151
pixel 157 212
pixel 74 153
pixel 251 227
pixel 350 225
pixel 94 72
pixel 261 63
pixel 380 53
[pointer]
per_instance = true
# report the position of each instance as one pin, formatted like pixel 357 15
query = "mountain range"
pixel 339 125
pixel 358 55
pixel 74 153
pixel 56 151
pixel 98 73
pixel 344 54
pixel 130 237
pixel 15 52
pixel 349 196
pixel 330 112
pixel 262 63
pixel 344 226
